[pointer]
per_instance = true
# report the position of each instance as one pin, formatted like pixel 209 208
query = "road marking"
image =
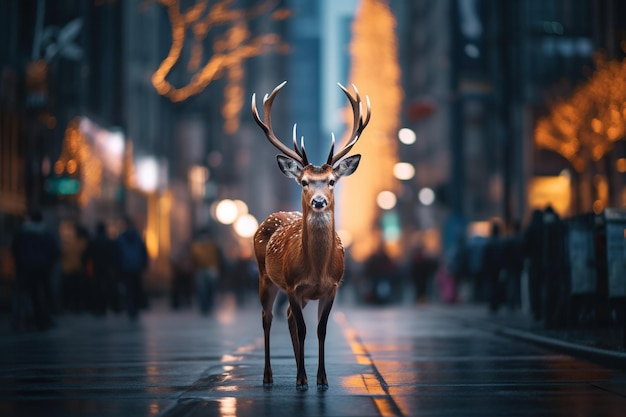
pixel 373 383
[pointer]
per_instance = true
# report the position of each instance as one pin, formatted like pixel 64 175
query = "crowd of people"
pixel 517 266
pixel 74 272
pixel 514 267
pixel 202 272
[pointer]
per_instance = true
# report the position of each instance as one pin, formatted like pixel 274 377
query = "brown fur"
pixel 301 254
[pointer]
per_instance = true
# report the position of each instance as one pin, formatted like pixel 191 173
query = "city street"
pixel 167 164
pixel 431 360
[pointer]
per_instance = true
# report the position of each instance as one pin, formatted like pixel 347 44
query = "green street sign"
pixel 62 186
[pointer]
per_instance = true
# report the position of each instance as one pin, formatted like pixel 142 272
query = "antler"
pixel 357 126
pixel 298 155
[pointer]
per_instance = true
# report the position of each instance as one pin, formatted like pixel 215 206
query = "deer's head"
pixel 317 182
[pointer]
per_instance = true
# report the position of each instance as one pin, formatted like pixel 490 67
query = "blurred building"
pixel 80 77
pixel 474 94
pixel 78 87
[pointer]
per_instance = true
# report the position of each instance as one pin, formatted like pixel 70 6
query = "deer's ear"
pixel 347 166
pixel 289 167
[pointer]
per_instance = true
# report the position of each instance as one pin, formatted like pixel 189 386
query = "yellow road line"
pixel 367 383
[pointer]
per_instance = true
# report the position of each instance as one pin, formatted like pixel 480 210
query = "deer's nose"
pixel 319 202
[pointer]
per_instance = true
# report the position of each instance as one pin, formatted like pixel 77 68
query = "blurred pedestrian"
pixel 446 284
pixel 74 242
pixel 475 249
pixel 101 254
pixel 381 273
pixel 512 266
pixel 492 266
pixel 133 260
pixel 533 251
pixel 208 262
pixel 181 288
pixel 35 250
pixel 422 268
pixel 552 265
pixel 242 275
pixel 456 260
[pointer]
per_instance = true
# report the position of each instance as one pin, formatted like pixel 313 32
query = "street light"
pixel 407 136
pixel 246 226
pixel 386 200
pixel 403 171
pixel 147 174
pixel 226 211
pixel 198 176
pixel 242 207
pixel 426 196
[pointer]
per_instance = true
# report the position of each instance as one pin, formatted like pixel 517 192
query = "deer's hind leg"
pixel 267 294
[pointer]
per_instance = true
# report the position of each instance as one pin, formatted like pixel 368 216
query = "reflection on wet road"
pixel 432 365
pixel 397 361
pixel 408 362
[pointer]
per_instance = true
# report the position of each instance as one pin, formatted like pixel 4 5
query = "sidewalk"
pixel 603 344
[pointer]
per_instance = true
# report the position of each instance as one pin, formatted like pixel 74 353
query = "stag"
pixel 300 253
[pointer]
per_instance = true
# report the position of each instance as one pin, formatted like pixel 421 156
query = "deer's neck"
pixel 318 238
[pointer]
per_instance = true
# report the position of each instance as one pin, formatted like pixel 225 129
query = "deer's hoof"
pixel 322 387
pixel 268 385
pixel 302 387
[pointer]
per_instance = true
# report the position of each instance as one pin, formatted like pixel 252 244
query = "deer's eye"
pixel 304 183
pixel 331 183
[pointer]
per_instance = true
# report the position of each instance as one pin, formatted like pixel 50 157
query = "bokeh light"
pixel 386 200
pixel 403 171
pixel 407 136
pixel 226 211
pixel 426 196
pixel 147 174
pixel 246 225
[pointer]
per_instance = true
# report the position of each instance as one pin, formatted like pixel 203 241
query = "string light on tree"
pixel 374 67
pixel 585 126
pixel 233 43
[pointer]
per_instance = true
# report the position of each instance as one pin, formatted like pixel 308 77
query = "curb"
pixel 598 355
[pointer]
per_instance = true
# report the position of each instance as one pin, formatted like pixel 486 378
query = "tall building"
pixel 485 71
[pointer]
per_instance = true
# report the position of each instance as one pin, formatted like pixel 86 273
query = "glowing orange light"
pixel 375 71
pixel 621 165
pixel 583 127
pixel 596 125
pixel 598 206
pixel 59 166
pixel 230 49
pixel 71 166
pixel 77 153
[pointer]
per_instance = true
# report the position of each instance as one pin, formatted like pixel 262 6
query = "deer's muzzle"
pixel 319 203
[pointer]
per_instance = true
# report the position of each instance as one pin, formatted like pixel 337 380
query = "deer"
pixel 300 253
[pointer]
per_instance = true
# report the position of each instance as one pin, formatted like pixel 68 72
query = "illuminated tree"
pixel 584 127
pixel 230 48
pixel 375 71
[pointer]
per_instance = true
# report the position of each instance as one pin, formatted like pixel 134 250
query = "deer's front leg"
pixel 293 331
pixel 323 312
pixel 267 294
pixel 296 312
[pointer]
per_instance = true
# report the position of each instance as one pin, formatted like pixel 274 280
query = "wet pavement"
pixel 430 360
